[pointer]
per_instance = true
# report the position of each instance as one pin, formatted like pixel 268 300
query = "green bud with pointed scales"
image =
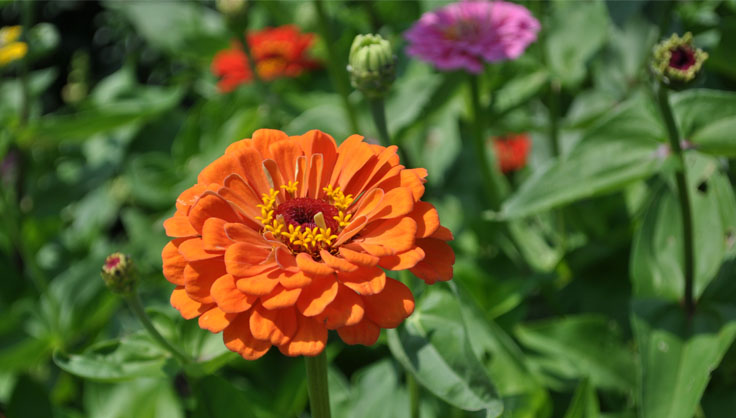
pixel 119 273
pixel 372 65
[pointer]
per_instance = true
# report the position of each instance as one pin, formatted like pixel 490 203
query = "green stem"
pixel 338 74
pixel 684 195
pixel 319 396
pixel 411 383
pixel 554 117
pixel 378 112
pixel 486 157
pixel 134 302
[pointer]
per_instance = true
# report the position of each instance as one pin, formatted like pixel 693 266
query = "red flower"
pixel 278 52
pixel 511 151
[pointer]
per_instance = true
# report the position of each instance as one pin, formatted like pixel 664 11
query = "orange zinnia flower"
pixel 278 52
pixel 284 238
pixel 512 151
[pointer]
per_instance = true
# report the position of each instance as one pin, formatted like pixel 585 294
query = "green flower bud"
pixel 119 273
pixel 231 7
pixel 676 62
pixel 372 65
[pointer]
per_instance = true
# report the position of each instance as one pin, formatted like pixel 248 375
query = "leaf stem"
pixel 134 302
pixel 411 383
pixel 338 74
pixel 486 157
pixel 684 195
pixel 378 111
pixel 319 396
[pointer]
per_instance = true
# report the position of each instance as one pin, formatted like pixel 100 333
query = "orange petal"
pixel 239 192
pixel 285 154
pixel 437 265
pixel 306 264
pixel 414 179
pixel 317 296
pixel 310 339
pixel 238 338
pixel 215 320
pixel 187 307
pixel 396 234
pixel 294 280
pixel 402 261
pixel 352 155
pixel 240 256
pixel 372 249
pixel 260 284
pixel 385 159
pixel 199 277
pixel 213 235
pixel 174 263
pixel 314 182
pixel 365 333
pixel 263 138
pixel 228 297
pixel 355 226
pixel 426 217
pixel 193 250
pixel 365 281
pixel 276 326
pixel 251 161
pixel 337 263
pixel 359 258
pixel 317 142
pixel 443 233
pixel 188 197
pixel 286 260
pixel 211 205
pixel 179 227
pixel 347 309
pixel 243 233
pixel 369 202
pixel 280 297
pixel 390 307
pixel 396 202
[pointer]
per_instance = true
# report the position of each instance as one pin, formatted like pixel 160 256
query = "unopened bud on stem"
pixel 676 62
pixel 372 65
pixel 119 273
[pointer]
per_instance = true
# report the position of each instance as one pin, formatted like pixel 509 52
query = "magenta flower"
pixel 464 34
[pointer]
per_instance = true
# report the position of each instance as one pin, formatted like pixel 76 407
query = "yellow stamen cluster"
pixel 341 202
pixel 299 238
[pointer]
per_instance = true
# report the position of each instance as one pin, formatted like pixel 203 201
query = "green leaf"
pixel 29 399
pixel 718 137
pixel 618 151
pixel 139 398
pixel 115 360
pixel 518 90
pixel 575 32
pixel 657 254
pixel 677 354
pixel 578 347
pixel 704 114
pixel 433 345
pixel 218 398
pixel 584 402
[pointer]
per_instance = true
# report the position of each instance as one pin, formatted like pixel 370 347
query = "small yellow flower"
pixel 10 48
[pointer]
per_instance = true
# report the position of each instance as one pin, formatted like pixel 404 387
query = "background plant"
pixel 566 299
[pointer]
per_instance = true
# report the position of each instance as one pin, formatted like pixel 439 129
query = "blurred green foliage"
pixel 565 302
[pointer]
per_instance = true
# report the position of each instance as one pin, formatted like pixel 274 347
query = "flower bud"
pixel 119 273
pixel 676 62
pixel 372 65
pixel 231 7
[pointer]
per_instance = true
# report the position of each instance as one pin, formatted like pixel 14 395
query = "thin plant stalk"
pixel 338 75
pixel 319 395
pixel 411 384
pixel 684 197
pixel 494 186
pixel 378 111
pixel 134 302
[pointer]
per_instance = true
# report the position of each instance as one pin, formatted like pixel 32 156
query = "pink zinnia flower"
pixel 464 34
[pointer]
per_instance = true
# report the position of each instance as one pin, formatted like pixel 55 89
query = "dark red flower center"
pixel 301 211
pixel 682 57
pixel 111 262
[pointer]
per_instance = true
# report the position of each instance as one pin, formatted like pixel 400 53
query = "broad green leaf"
pixel 657 254
pixel 433 345
pixel 218 398
pixel 412 92
pixel 139 398
pixel 584 402
pixel 575 32
pixel 581 346
pixel 704 114
pixel 115 360
pixel 718 137
pixel 677 354
pixel 618 151
pixel 518 90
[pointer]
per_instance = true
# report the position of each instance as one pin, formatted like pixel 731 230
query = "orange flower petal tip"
pixel 284 238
